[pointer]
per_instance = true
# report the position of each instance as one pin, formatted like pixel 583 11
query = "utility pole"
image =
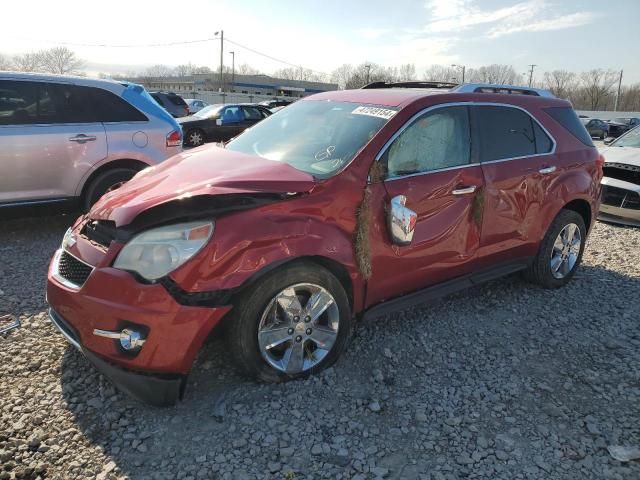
pixel 368 67
pixel 615 107
pixel 233 69
pixel 533 65
pixel 221 32
pixel 462 67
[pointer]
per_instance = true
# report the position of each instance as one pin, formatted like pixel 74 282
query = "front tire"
pixel 560 252
pixel 295 322
pixel 105 182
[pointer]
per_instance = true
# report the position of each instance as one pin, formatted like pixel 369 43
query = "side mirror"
pixel 608 140
pixel 401 221
pixel 218 121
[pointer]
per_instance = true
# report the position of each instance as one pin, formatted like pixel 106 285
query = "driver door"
pixel 231 123
pixel 431 173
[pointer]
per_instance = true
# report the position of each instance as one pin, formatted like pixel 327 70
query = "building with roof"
pixel 262 85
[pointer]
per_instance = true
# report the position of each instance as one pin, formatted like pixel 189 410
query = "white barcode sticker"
pixel 385 113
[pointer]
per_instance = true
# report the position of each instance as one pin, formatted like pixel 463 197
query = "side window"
pixel 436 140
pixel 543 143
pixel 109 107
pixel 232 115
pixel 568 118
pixel 252 113
pixel 18 103
pixel 62 103
pixel 504 132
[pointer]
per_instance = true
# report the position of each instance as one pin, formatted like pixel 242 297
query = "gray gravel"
pixel 504 381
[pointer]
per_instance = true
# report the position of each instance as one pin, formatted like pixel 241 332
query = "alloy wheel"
pixel 195 138
pixel 298 328
pixel 566 250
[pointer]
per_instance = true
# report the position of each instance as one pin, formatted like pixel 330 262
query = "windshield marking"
pixel 374 112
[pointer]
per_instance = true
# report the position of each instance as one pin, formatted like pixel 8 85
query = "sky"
pixel 576 35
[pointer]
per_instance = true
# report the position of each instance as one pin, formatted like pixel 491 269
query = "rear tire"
pixel 105 182
pixel 264 332
pixel 560 252
pixel 195 138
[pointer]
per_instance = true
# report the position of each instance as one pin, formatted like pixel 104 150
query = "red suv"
pixel 342 204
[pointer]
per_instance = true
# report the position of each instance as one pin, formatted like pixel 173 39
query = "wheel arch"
pixel 583 208
pixel 113 164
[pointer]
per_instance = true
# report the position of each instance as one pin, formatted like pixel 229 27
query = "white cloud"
pixel 559 23
pixel 526 16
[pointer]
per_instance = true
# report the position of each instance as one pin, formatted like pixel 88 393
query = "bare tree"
pixel 201 70
pixel 341 75
pixel 184 70
pixel 246 69
pixel 287 74
pixel 561 83
pixel 29 62
pixel 597 85
pixel 60 60
pixel 158 71
pixel 406 72
pixel 440 73
pixel 500 74
pixel 5 63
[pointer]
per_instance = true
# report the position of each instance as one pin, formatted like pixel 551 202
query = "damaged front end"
pixel 620 194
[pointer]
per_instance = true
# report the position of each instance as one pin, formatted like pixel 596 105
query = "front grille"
pixel 72 269
pixel 619 197
pixel 99 231
pixel 622 171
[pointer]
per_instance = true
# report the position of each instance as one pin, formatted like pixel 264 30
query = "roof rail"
pixel 505 89
pixel 410 85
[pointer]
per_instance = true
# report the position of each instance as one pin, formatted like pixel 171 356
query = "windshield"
pixel 621 120
pixel 630 139
pixel 208 112
pixel 317 137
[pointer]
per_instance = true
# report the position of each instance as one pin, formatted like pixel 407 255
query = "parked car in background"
pixel 345 203
pixel 219 123
pixel 276 103
pixel 621 182
pixel 68 140
pixel 596 127
pixel 620 125
pixel 194 105
pixel 172 103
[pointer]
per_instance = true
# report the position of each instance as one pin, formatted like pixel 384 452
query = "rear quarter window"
pixel 568 118
pixel 176 100
pixel 109 107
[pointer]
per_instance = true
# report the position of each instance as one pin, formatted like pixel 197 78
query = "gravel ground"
pixel 504 381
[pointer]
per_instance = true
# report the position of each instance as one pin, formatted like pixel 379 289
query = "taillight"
pixel 174 139
pixel 600 163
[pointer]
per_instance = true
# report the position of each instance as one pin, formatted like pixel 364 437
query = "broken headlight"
pixel 155 253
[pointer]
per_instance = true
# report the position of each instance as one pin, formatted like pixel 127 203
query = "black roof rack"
pixel 410 85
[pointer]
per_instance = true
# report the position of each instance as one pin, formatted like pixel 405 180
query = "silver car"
pixel 621 181
pixel 71 139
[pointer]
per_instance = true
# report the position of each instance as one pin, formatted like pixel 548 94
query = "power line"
pixel 183 42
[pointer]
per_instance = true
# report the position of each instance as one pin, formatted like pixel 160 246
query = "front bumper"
pixel 154 390
pixel 111 299
pixel 620 202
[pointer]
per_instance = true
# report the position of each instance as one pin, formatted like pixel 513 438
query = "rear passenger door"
pixel 518 162
pixel 48 140
pixel 252 116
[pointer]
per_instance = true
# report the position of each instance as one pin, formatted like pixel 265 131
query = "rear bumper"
pixel 154 390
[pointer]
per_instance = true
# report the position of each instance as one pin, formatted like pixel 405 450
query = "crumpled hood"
pixel 208 170
pixel 628 155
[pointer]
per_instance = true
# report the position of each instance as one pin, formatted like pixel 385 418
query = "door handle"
pixel 464 190
pixel 547 170
pixel 82 138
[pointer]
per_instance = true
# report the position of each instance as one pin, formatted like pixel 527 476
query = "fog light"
pixel 129 338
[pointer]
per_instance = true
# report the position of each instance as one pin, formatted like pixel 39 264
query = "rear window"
pixel 176 100
pixel 567 117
